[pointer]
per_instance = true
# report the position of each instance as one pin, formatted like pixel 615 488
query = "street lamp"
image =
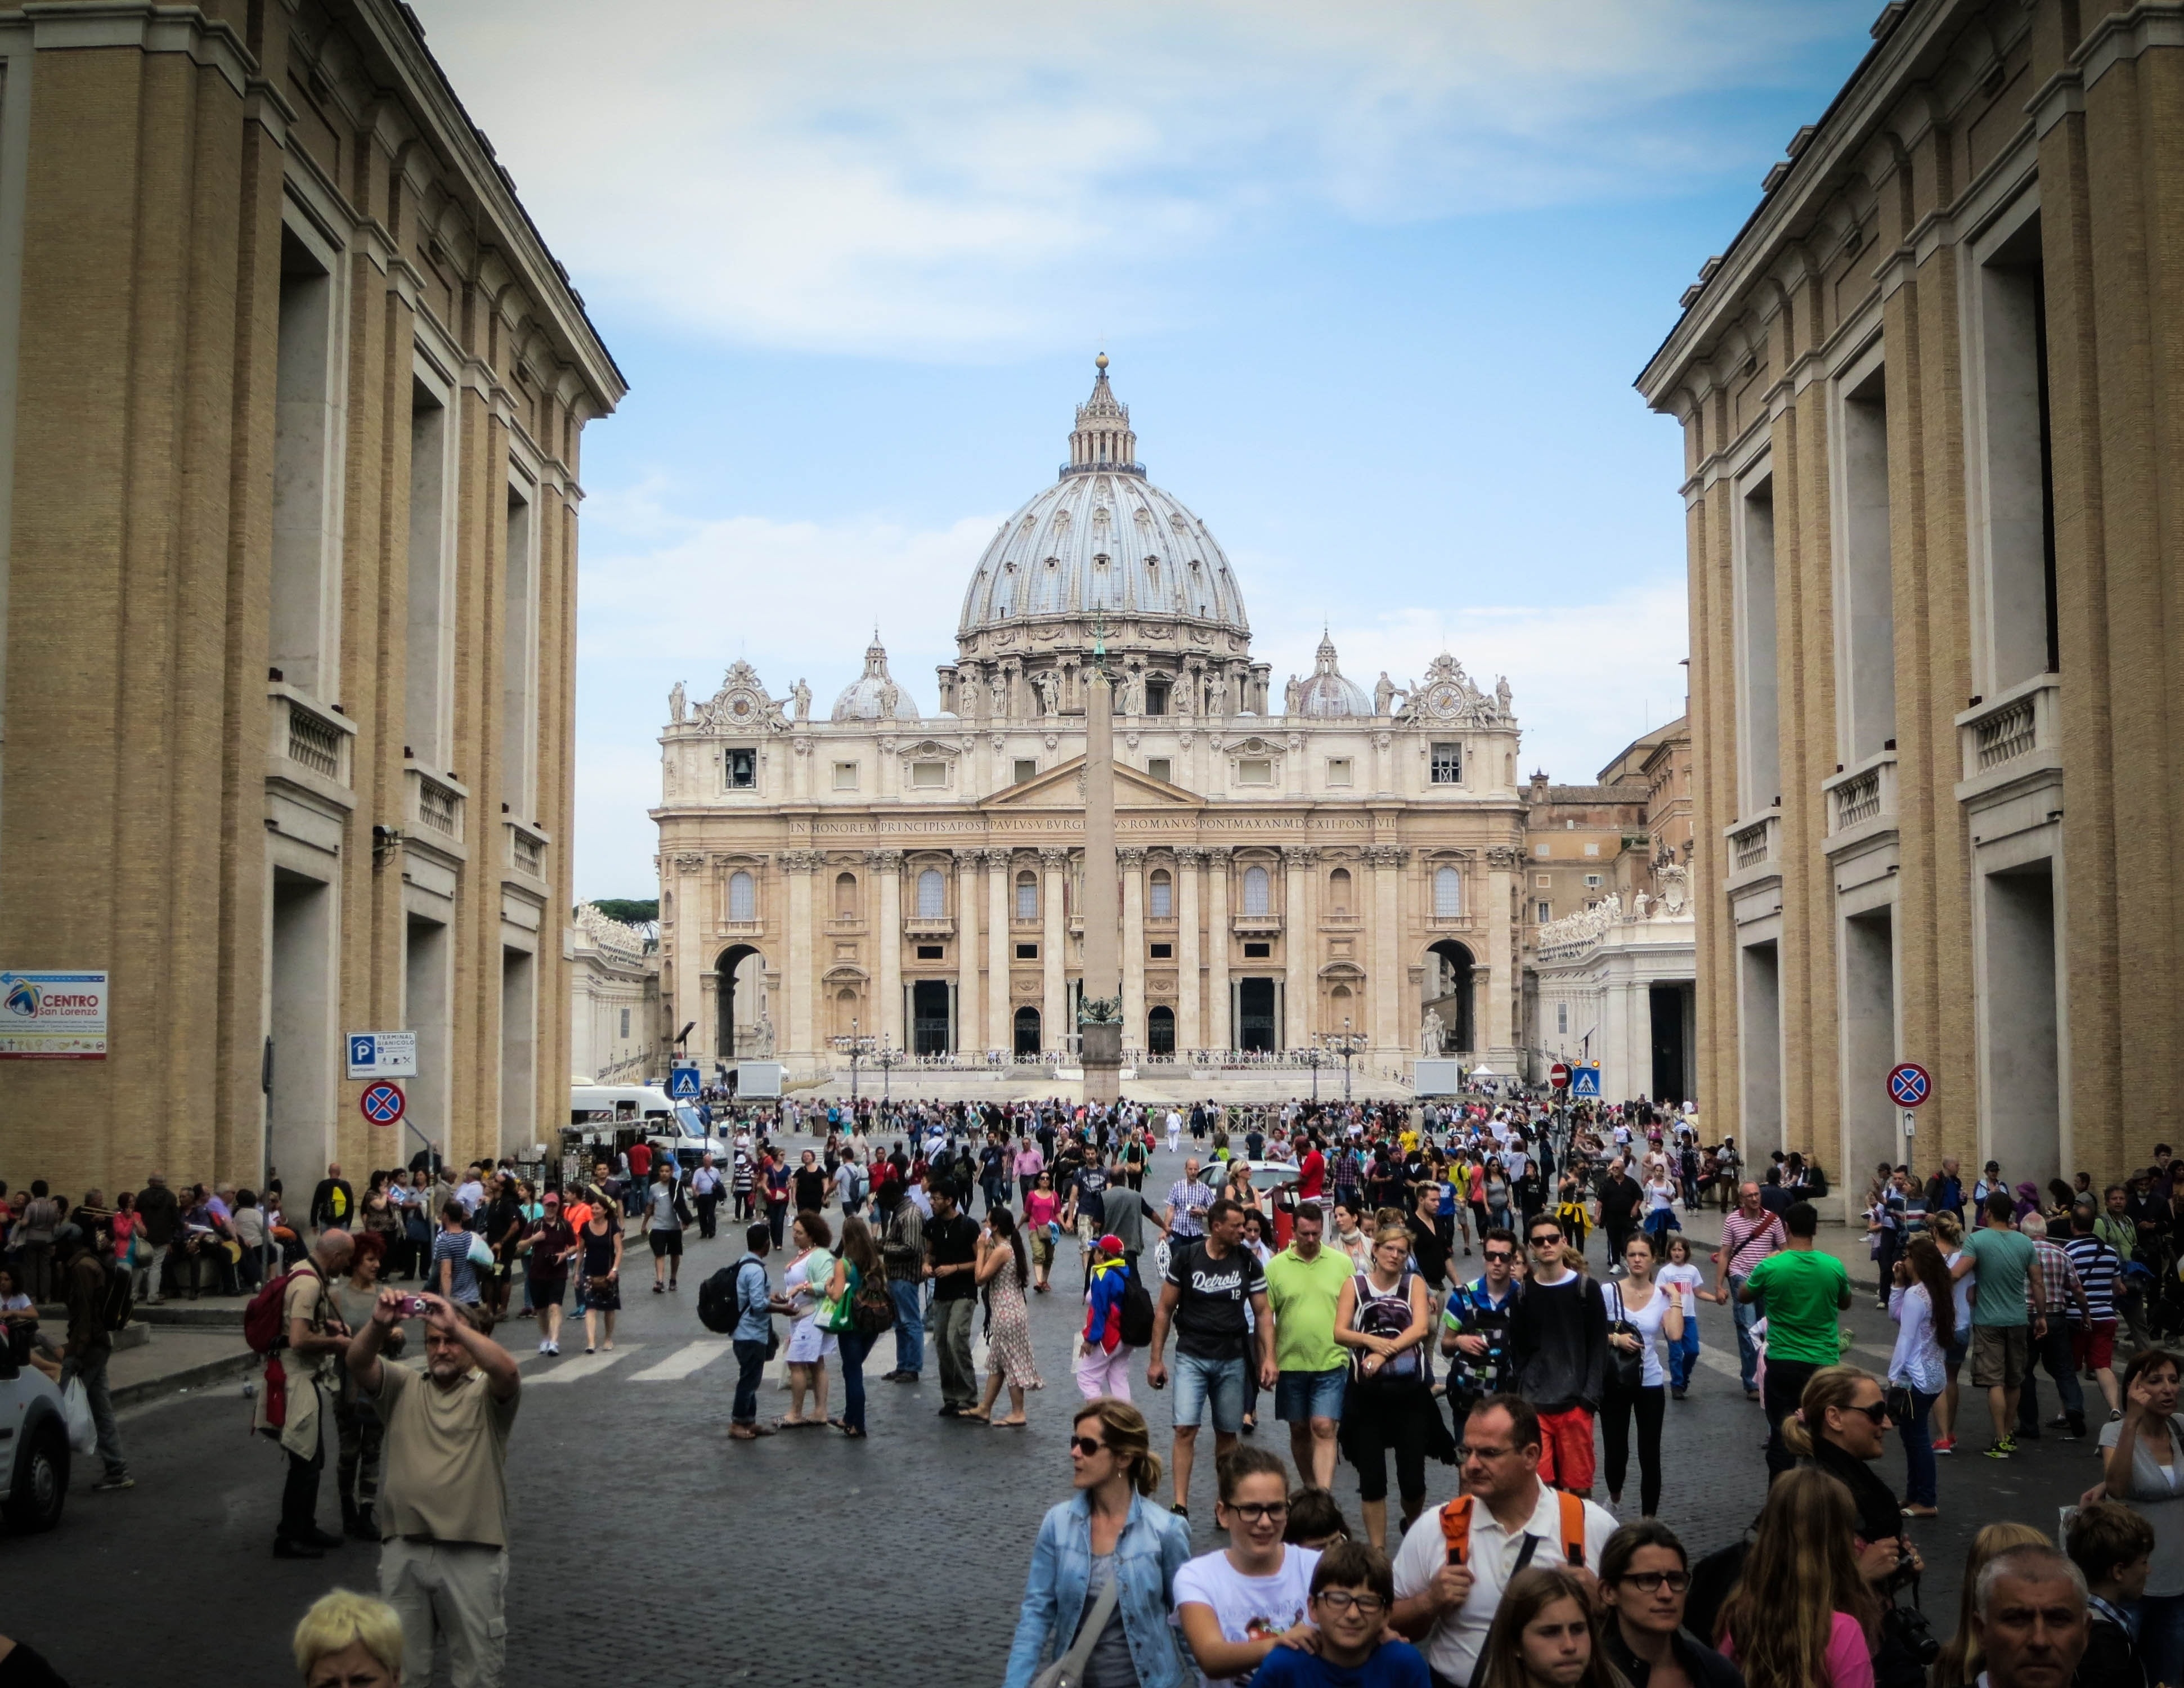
pixel 1346 1043
pixel 856 1048
pixel 886 1061
pixel 1313 1059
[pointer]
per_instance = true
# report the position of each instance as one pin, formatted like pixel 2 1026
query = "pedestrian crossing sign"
pixel 1585 1082
pixel 683 1085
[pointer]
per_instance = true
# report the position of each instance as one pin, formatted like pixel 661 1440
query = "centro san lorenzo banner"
pixel 52 1015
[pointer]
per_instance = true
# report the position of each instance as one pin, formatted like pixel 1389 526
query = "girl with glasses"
pixel 1645 1578
pixel 1236 1605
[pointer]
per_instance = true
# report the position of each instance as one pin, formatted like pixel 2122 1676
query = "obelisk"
pixel 1102 1036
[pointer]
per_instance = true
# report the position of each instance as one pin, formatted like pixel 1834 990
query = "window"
pixel 742 896
pixel 1448 894
pixel 1592 849
pixel 1540 850
pixel 1255 771
pixel 1254 891
pixel 1448 764
pixel 932 895
pixel 931 952
pixel 1562 1016
pixel 1543 881
pixel 1338 771
pixel 1338 890
pixel 845 776
pixel 1543 912
pixel 1027 767
pixel 1027 952
pixel 1163 895
pixel 1155 697
pixel 1258 952
pixel 1163 952
pixel 929 774
pixel 1027 897
pixel 845 896
pixel 741 767
pixel 625 1022
pixel 1162 769
pixel 1594 881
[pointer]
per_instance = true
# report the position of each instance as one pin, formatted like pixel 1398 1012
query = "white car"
pixel 34 1447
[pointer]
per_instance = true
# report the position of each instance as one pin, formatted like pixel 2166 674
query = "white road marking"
pixel 583 1365
pixel 691 1357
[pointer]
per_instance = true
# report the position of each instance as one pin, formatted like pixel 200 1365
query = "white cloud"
pixel 966 178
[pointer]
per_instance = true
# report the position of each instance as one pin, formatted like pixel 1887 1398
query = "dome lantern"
pixel 1102 438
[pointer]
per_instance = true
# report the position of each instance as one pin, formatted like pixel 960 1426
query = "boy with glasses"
pixel 1353 1589
pixel 1558 1343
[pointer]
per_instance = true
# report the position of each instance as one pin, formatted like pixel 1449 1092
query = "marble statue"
pixel 1043 683
pixel 1430 1033
pixel 802 694
pixel 678 701
pixel 890 696
pixel 764 1034
pixel 1638 905
pixel 997 688
pixel 1383 695
pixel 1501 695
pixel 1218 695
pixel 1292 696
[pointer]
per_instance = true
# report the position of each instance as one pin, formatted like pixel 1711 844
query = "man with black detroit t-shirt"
pixel 1208 1286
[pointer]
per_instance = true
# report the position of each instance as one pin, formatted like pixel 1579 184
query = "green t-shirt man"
pixel 1302 1294
pixel 1802 1291
pixel 2003 1258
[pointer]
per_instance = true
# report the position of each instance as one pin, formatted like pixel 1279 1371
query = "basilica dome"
pixel 1326 693
pixel 1103 541
pixel 873 695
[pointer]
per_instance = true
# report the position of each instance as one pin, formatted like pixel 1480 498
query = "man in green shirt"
pixel 1304 1282
pixel 1801 1290
pixel 2004 1324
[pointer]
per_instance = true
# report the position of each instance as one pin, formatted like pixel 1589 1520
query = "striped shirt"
pixel 2098 1269
pixel 1183 1195
pixel 1746 1242
pixel 2057 1279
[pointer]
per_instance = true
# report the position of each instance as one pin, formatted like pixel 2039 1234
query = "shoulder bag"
pixel 1068 1670
pixel 1626 1371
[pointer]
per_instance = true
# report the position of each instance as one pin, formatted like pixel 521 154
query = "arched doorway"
pixel 1448 993
pixel 739 1000
pixel 1160 1031
pixel 1026 1033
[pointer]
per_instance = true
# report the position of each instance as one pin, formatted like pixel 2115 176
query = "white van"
pixel 677 1127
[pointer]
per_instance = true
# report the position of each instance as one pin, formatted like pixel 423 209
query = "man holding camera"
pixel 444 1502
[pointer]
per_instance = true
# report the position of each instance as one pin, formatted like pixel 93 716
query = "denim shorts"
pixel 1302 1396
pixel 1221 1381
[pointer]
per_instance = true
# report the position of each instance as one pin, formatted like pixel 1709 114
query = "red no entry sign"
pixel 381 1104
pixel 1909 1084
pixel 1559 1075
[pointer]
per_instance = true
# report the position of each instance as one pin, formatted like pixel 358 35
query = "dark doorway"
pixel 928 1013
pixel 1160 1031
pixel 1665 1003
pixel 1255 1014
pixel 1028 1032
pixel 724 1038
pixel 1449 994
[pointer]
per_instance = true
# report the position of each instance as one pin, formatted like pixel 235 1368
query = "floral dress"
pixel 1008 1336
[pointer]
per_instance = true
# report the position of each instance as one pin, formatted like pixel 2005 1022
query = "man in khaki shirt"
pixel 443 1499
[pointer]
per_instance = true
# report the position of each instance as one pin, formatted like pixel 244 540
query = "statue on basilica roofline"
pixel 801 694
pixel 678 703
pixel 997 690
pixel 1292 696
pixel 1384 694
pixel 1501 695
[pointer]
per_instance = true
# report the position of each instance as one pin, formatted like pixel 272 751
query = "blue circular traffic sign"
pixel 381 1104
pixel 1909 1084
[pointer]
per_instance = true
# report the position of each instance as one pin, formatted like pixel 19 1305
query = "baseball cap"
pixel 1111 1243
pixel 552 1198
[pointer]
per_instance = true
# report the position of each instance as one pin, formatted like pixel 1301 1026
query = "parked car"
pixel 34 1447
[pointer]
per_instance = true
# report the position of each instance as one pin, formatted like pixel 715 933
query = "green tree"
pixel 630 911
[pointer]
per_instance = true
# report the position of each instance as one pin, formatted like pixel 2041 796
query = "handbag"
pixel 1626 1371
pixel 1897 1398
pixel 1068 1670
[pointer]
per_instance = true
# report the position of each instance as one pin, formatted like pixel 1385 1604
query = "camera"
pixel 413 1306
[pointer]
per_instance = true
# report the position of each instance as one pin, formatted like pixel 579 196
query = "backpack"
pixel 118 1301
pixel 717 1309
pixel 1456 1529
pixel 1137 1324
pixel 872 1309
pixel 263 1327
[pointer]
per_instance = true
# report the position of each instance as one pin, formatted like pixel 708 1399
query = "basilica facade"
pixel 1344 866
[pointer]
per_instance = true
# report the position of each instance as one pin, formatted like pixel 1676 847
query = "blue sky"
pixel 1374 282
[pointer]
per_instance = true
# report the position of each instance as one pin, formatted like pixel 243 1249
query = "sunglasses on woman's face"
pixel 1087 1446
pixel 1876 1413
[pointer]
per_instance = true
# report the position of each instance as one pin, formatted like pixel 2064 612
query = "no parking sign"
pixel 381 1104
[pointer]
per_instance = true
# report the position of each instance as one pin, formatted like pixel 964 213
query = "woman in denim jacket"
pixel 1107 1528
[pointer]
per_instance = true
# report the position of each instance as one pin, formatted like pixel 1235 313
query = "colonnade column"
pixel 1499 1032
pixel 1220 1029
pixel 1388 944
pixel 886 866
pixel 999 1034
pixel 1132 861
pixel 1053 1028
pixel 968 1019
pixel 797 967
pixel 690 945
pixel 1297 945
pixel 1188 985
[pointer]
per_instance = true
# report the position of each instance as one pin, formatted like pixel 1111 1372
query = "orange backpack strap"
pixel 1572 1509
pixel 1456 1529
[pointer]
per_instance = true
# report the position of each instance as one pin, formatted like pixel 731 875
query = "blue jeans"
pixel 1921 1475
pixel 852 1347
pixel 1684 1355
pixel 1747 1352
pixel 750 1366
pixel 1217 1383
pixel 909 1324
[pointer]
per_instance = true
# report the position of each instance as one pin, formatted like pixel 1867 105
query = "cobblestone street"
pixel 648 1548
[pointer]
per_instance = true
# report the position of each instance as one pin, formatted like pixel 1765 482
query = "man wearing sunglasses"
pixel 1558 1343
pixel 1475 1325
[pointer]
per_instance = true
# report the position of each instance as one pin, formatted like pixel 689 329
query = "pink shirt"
pixel 1039 1206
pixel 1847 1663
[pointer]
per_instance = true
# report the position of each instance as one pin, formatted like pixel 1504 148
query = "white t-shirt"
pixel 1248 1608
pixel 1451 1645
pixel 1688 1279
pixel 1647 1320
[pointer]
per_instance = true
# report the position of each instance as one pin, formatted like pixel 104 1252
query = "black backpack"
pixel 1137 1324
pixel 119 1301
pixel 721 1308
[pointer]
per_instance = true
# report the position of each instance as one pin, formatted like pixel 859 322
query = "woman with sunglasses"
pixel 1645 1578
pixel 1840 1425
pixel 1237 1604
pixel 1106 1534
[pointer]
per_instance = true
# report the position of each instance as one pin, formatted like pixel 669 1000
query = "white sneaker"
pixel 554 1349
pixel 544 1346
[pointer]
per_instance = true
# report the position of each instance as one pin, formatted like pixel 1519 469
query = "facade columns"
pixel 1298 945
pixel 1000 1034
pixel 1132 860
pixel 1221 1030
pixel 1496 1028
pixel 886 866
pixel 1054 1013
pixel 689 945
pixel 800 964
pixel 966 1025
pixel 1387 944
pixel 1189 988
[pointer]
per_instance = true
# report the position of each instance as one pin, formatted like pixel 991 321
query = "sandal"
pixel 1007 1423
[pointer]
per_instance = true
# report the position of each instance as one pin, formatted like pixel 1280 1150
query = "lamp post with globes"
pixel 1315 1058
pixel 857 1048
pixel 886 1061
pixel 1346 1043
